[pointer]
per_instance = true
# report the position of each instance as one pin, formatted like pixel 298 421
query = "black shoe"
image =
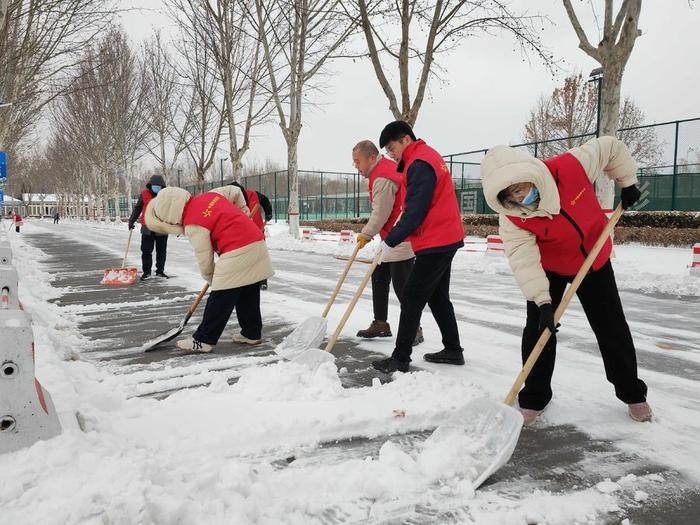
pixel 263 286
pixel 162 274
pixel 448 357
pixel 391 365
pixel 419 337
pixel 145 276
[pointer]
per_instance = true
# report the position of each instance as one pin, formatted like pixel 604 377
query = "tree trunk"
pixel 609 123
pixel 293 174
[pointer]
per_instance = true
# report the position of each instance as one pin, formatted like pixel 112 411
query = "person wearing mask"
pixel 149 239
pixel 549 219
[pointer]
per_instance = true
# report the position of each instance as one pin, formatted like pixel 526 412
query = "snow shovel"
pixel 123 275
pixel 311 332
pixel 174 332
pixel 487 430
pixel 313 357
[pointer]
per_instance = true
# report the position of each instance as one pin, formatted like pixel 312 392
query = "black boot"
pixel 391 365
pixel 145 276
pixel 162 274
pixel 448 357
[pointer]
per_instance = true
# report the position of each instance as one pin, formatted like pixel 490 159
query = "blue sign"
pixel 3 167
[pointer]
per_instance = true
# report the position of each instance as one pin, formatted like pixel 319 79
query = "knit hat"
pixel 158 180
pixel 394 131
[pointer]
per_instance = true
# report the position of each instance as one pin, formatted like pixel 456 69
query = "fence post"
pixel 321 195
pixel 675 170
pixel 274 175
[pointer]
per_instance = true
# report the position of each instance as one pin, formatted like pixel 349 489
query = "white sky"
pixel 488 90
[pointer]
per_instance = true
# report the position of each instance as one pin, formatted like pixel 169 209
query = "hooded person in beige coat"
pixel 549 218
pixel 214 225
pixel 386 194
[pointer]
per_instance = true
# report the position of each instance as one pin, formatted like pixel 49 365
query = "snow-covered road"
pixel 167 438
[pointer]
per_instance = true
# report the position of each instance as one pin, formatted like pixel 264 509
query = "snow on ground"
pixel 217 454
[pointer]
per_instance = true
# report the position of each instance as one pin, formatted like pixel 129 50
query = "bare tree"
pixel 298 37
pixel 568 118
pixel 612 53
pixel 40 41
pixel 430 28
pixel 162 105
pixel 236 51
pixel 200 129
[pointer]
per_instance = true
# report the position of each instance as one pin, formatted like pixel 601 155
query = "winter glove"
pixel 362 240
pixel 547 318
pixel 131 225
pixel 629 196
pixel 386 249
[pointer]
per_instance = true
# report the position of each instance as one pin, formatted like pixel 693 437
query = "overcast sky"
pixel 488 90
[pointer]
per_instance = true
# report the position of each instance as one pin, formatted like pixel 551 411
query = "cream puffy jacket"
pixel 247 265
pixel 383 197
pixel 503 166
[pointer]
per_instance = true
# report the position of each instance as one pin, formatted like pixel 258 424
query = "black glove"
pixel 547 318
pixel 131 225
pixel 629 196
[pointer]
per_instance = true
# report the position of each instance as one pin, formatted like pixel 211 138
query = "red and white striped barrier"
pixel 695 264
pixel 494 245
pixel 475 244
pixel 345 236
pixel 306 234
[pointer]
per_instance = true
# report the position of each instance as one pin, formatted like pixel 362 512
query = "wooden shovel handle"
pixel 126 252
pixel 340 282
pixel 351 306
pixel 254 210
pixel 199 298
pixel 571 290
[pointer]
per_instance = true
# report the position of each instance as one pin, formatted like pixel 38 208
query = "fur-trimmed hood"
pixel 164 212
pixel 503 166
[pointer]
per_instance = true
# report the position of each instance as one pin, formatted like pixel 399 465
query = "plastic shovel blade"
pixel 484 431
pixel 308 334
pixel 119 276
pixel 313 358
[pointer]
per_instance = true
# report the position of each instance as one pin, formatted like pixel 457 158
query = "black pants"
pixel 55 220
pixel 395 273
pixel 601 303
pixel 161 245
pixel 428 283
pixel 220 306
pixel 17 229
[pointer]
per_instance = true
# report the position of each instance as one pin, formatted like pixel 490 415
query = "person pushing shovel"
pixel 149 239
pixel 549 219
pixel 433 225
pixel 386 193
pixel 214 225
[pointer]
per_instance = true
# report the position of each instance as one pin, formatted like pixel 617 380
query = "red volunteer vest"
pixel 229 228
pixel 386 169
pixel 566 239
pixel 442 225
pixel 146 197
pixel 257 217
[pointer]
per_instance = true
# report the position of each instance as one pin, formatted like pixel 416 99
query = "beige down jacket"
pixel 247 265
pixel 503 166
pixel 383 197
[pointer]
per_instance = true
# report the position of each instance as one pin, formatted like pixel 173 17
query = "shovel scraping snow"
pixel 488 430
pixel 310 333
pixel 123 275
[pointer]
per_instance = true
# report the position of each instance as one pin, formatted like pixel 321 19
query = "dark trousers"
pixel 17 229
pixel 55 220
pixel 601 303
pixel 428 283
pixel 220 306
pixel 395 273
pixel 148 241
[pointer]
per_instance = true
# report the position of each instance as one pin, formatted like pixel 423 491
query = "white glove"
pixel 386 249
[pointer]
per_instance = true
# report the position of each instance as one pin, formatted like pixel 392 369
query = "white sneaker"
pixel 241 339
pixel 192 345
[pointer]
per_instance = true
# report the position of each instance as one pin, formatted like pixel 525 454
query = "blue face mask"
pixel 155 188
pixel 531 196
